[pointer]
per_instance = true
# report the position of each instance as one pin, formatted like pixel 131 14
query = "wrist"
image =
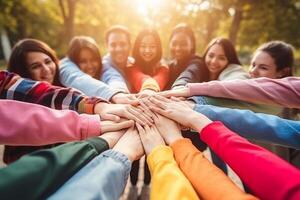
pixel 173 138
pixel 199 121
pixel 99 107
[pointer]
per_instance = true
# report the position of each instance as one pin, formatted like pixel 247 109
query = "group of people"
pixel 76 128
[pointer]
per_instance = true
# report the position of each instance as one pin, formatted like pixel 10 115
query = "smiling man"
pixel 117 40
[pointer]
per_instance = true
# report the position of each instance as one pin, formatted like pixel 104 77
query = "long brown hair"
pixel 17 61
pixel 84 42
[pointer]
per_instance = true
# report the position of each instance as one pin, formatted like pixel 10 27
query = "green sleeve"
pixel 37 175
pixel 258 108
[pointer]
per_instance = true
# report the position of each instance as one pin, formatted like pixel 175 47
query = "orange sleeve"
pixel 162 76
pixel 208 180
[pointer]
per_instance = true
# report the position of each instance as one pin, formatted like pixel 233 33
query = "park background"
pixel 247 23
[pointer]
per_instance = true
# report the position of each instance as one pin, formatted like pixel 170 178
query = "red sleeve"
pixel 135 77
pixel 267 175
pixel 162 76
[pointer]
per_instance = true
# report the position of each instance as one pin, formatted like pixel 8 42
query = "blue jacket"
pixel 113 76
pixel 72 76
pixel 256 126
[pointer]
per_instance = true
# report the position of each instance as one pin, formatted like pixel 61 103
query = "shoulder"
pixel 232 72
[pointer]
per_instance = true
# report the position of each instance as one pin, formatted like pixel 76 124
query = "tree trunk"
pixel 235 25
pixel 68 10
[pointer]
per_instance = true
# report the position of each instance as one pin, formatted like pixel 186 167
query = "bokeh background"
pixel 248 23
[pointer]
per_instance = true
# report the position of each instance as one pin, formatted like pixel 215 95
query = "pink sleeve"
pixel 30 124
pixel 284 92
pixel 267 175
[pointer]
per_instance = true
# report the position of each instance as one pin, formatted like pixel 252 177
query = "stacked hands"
pixel 152 121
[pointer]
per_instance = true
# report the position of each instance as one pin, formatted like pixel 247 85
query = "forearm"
pixel 105 177
pixel 256 126
pixel 71 76
pixel 267 176
pixel 262 90
pixel 208 180
pixel 37 175
pixel 16 88
pixel 230 103
pixel 39 125
pixel 166 176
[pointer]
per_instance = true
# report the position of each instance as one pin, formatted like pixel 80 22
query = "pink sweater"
pixel 267 175
pixel 30 124
pixel 284 92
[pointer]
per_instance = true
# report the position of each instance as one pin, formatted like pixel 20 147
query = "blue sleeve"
pixel 72 76
pixel 256 126
pixel 105 177
pixel 112 77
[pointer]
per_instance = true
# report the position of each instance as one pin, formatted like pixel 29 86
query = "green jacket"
pixel 39 174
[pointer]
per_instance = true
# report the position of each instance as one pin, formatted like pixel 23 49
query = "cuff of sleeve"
pixel 87 104
pixel 151 84
pixel 210 131
pixel 91 126
pixel 159 154
pixel 98 143
pixel 119 157
pixel 199 100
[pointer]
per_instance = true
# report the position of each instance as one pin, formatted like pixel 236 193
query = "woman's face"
pixel 88 62
pixel 180 46
pixel 148 48
pixel 216 60
pixel 40 67
pixel 263 65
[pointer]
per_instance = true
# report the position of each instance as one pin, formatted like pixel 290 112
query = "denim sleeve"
pixel 199 100
pixel 112 77
pixel 256 126
pixel 104 177
pixel 72 76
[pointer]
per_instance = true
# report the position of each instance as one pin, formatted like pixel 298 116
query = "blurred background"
pixel 247 23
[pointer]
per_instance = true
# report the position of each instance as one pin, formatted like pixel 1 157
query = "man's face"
pixel 118 47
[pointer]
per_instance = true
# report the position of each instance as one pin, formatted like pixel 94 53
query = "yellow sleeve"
pixel 150 83
pixel 168 182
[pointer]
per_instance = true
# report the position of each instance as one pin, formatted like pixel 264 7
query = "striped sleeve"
pixel 16 88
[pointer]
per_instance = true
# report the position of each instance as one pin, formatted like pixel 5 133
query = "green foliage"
pixel 261 20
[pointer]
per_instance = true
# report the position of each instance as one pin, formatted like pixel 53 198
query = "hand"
pixel 178 111
pixel 114 112
pixel 112 137
pixel 130 145
pixel 150 137
pixel 168 129
pixel 181 91
pixel 110 126
pixel 122 98
pixel 145 93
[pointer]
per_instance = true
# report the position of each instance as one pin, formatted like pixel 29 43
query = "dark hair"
pixel 84 42
pixel 117 29
pixel 281 52
pixel 187 30
pixel 228 48
pixel 147 67
pixel 17 61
